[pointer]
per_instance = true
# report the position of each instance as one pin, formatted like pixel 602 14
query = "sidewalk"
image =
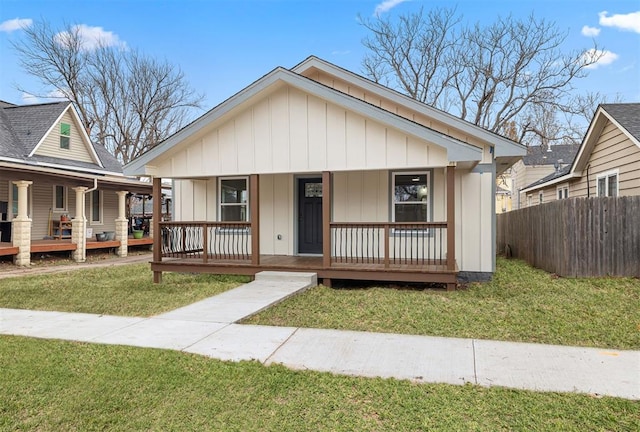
pixel 208 328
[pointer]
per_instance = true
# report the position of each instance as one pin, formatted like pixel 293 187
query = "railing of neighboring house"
pixel 221 241
pixel 389 243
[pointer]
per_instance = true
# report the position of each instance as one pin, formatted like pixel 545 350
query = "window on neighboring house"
pixel 540 197
pixel 234 199
pixel 59 198
pixel 529 200
pixel 96 207
pixel 607 184
pixel 410 197
pixel 65 135
pixel 563 192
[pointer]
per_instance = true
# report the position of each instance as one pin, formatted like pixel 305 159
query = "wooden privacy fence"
pixel 576 237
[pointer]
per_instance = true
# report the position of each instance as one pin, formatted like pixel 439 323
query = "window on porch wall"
pixel 411 197
pixel 234 199
pixel 96 207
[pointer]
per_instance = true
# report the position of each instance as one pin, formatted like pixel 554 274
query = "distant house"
pixel 318 169
pixel 607 162
pixel 56 184
pixel 538 163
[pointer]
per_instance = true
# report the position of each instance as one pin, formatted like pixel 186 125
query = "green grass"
pixel 520 304
pixel 54 386
pixel 126 290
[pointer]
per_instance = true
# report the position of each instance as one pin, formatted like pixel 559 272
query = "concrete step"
pixel 309 279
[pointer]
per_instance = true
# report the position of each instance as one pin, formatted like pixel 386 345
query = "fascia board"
pixel 546 184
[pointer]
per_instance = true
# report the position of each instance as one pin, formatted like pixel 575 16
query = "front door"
pixel 310 215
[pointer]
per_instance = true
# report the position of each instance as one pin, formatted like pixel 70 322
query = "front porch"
pixel 66 245
pixel 385 251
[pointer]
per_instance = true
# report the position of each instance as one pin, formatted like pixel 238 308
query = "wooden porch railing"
pixel 389 243
pixel 206 240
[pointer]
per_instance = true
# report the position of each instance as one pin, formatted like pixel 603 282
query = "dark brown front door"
pixel 310 215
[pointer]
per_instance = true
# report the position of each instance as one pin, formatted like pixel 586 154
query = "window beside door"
pixel 234 199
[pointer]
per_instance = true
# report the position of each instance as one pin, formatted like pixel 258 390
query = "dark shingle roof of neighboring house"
pixel 22 127
pixel 627 115
pixel 560 153
pixel 558 173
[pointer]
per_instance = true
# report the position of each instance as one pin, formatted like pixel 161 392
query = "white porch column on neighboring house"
pixel 79 227
pixel 21 225
pixel 122 225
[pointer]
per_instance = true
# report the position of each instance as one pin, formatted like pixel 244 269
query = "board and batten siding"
pixel 77 150
pixel 291 131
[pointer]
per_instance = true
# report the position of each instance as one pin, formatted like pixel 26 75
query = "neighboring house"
pixel 319 169
pixel 540 162
pixel 504 200
pixel 607 162
pixel 48 171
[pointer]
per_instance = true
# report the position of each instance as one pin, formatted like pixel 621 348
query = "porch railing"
pixel 219 241
pixel 389 243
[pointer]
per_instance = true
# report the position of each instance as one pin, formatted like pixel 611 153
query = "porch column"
pixel 326 221
pixel 21 226
pixel 254 209
pixel 155 226
pixel 451 219
pixel 122 225
pixel 79 227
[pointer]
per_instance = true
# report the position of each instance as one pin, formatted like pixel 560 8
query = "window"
pixel 410 197
pixel 65 135
pixel 59 198
pixel 607 184
pixel 234 199
pixel 540 197
pixel 563 191
pixel 529 200
pixel 96 207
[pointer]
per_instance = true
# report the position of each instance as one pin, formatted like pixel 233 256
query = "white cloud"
pixel 15 24
pixel 630 21
pixel 30 99
pixel 386 6
pixel 605 58
pixel 91 37
pixel 55 95
pixel 590 31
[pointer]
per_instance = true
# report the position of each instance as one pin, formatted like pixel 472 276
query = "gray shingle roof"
pixel 627 114
pixel 554 175
pixel 23 126
pixel 560 153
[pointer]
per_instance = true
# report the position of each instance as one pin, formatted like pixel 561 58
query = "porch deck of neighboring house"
pixel 44 246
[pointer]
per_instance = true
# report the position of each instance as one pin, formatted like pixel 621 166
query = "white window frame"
pixel 427 175
pixel 65 198
pixel 100 208
pixel 68 137
pixel 245 204
pixel 562 191
pixel 607 175
pixel 529 200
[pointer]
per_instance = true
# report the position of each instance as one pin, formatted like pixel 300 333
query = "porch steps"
pixel 267 289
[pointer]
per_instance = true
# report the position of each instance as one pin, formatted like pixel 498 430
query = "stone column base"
pixel 122 234
pixel 21 238
pixel 79 237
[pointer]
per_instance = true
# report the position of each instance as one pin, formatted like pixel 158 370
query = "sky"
pixel 222 46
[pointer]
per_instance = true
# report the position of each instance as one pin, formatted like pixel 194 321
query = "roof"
pixel 625 116
pixel 457 150
pixel 22 128
pixel 559 153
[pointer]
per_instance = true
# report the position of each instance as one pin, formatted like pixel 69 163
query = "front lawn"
pixel 126 290
pixel 64 386
pixel 520 304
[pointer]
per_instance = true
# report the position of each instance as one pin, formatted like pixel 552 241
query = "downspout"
pixel 588 183
pixel 95 186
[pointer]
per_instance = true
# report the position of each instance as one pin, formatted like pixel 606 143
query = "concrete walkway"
pixel 208 328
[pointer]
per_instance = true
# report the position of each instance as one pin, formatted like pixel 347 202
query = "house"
pixel 607 162
pixel 319 169
pixel 57 187
pixel 539 162
pixel 504 201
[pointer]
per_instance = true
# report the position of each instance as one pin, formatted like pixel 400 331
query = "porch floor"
pixel 43 246
pixel 430 273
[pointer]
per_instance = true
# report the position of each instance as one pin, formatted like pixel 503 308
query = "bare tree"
pixel 127 101
pixel 509 71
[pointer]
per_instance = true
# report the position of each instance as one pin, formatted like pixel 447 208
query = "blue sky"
pixel 222 46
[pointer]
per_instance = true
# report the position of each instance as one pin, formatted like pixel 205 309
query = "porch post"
pixel 79 227
pixel 254 209
pixel 21 226
pixel 122 225
pixel 326 221
pixel 451 218
pixel 157 215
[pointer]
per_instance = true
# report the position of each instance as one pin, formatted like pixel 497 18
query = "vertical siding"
pixel 291 131
pixel 277 214
pixel 474 220
pixel 195 200
pixel 361 196
pixel 77 147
